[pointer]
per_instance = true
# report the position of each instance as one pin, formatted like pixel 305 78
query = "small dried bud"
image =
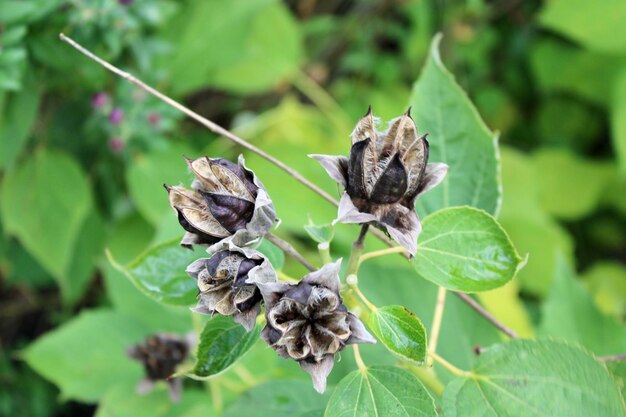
pixel 116 116
pixel 227 282
pixel 160 354
pixel 227 203
pixel 99 100
pixel 384 175
pixel 308 322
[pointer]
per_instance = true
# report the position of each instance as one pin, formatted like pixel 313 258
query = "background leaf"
pixel 458 137
pixel 87 355
pixel 400 331
pixel 597 25
pixel 44 203
pixel 618 120
pixel 160 273
pixel 380 391
pixel 525 377
pixel 222 343
pixel 465 249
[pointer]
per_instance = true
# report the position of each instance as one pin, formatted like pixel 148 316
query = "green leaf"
pixel 598 25
pixel 160 273
pixel 569 313
pixel 273 254
pixel 87 355
pixel 146 177
pixel 245 56
pixel 44 203
pixel 618 120
pixel 279 398
pixel 321 233
pixel 17 115
pixel 606 281
pixel 534 378
pixel 560 67
pixel 570 187
pixel 380 391
pixel 458 137
pixel 400 330
pixel 222 343
pixel 465 249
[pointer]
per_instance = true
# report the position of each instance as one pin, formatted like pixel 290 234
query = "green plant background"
pixel 293 77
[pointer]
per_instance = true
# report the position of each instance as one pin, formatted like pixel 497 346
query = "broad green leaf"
pixel 130 300
pixel 273 253
pixel 380 391
pixel 560 67
pixel 321 233
pixel 17 115
pixel 570 187
pixel 569 313
pixel 129 237
pixel 87 251
pixel 597 25
pixel 222 343
pixel 400 330
pixel 245 56
pixel 458 137
pixel 87 355
pixel 146 177
pixel 465 249
pixel 279 398
pixel 606 282
pixel 534 378
pixel 44 203
pixel 160 273
pixel 618 120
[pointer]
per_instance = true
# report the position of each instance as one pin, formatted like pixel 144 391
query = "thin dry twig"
pixel 289 250
pixel 214 127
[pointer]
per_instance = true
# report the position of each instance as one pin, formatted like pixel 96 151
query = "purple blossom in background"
pixel 154 118
pixel 99 100
pixel 116 145
pixel 125 2
pixel 116 116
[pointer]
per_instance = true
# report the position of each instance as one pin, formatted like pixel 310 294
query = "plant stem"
pixel 357 357
pixel 324 250
pixel 487 315
pixel 216 396
pixel 453 369
pixel 324 101
pixel 434 329
pixel 357 251
pixel 293 173
pixel 428 378
pixel 212 126
pixel 355 287
pixel 382 252
pixel 289 250
pixel 613 358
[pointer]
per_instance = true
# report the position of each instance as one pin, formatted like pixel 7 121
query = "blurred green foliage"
pixel 83 156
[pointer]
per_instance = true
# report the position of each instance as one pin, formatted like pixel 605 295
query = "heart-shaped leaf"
pixel 400 331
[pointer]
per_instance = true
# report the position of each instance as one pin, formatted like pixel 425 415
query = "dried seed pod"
pixel 228 280
pixel 308 322
pixel 227 203
pixel 383 176
pixel 160 354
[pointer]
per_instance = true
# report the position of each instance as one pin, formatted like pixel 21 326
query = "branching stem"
pixel 289 250
pixel 453 369
pixel 357 251
pixel 212 126
pixel 357 357
pixel 382 252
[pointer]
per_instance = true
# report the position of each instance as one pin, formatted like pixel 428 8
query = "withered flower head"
pixel 227 203
pixel 160 354
pixel 308 322
pixel 228 280
pixel 384 175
